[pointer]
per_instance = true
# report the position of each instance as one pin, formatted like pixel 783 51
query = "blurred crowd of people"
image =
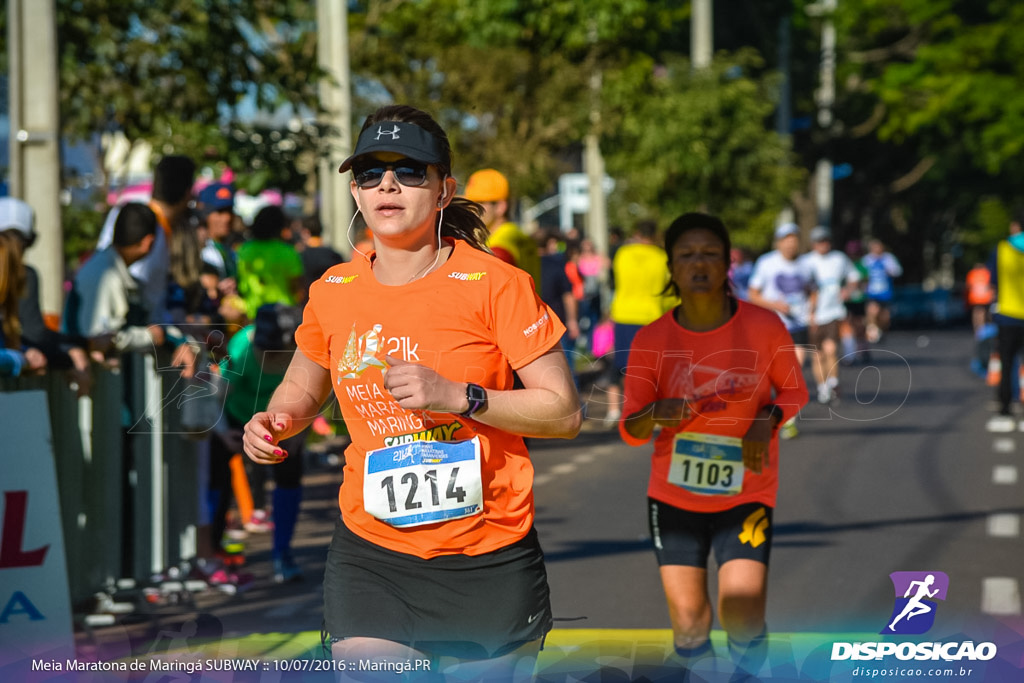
pixel 834 303
pixel 181 275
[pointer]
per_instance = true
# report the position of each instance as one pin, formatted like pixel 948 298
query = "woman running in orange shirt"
pixel 718 376
pixel 435 562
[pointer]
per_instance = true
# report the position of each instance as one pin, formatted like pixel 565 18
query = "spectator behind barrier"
pixel 107 306
pixel 13 358
pixel 17 221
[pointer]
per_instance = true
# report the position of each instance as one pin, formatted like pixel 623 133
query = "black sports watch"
pixel 477 397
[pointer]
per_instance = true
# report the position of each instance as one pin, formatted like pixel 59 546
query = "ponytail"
pixel 462 221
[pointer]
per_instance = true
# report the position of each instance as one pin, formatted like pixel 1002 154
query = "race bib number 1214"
pixel 423 482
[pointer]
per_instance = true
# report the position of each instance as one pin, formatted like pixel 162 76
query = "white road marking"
pixel 1004 525
pixel 1004 474
pixel 563 468
pixel 1004 444
pixel 1000 595
pixel 583 458
pixel 542 479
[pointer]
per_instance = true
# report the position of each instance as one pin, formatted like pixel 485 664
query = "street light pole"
pixel 825 98
pixel 34 138
pixel 336 97
pixel 701 37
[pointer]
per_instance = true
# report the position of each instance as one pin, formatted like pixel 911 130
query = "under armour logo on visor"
pixel 392 133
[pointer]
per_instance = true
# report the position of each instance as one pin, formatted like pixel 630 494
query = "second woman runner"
pixel 718 376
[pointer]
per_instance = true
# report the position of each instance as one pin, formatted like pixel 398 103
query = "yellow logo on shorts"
pixel 754 527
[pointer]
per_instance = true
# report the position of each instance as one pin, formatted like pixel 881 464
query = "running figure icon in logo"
pixel 918 590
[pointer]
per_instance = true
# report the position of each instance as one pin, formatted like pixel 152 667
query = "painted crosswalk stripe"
pixel 1000 595
pixel 1004 445
pixel 1004 474
pixel 1004 525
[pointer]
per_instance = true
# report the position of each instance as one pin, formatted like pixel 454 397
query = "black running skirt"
pixel 466 606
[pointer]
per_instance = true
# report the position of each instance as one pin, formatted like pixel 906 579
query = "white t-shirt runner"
pixel 779 279
pixel 831 272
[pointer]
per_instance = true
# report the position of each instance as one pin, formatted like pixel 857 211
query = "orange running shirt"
pixel 474 319
pixel 979 287
pixel 728 375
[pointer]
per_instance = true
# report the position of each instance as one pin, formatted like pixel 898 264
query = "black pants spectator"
pixel 287 475
pixel 1011 341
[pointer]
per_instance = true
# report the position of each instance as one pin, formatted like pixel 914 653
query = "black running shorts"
pixel 686 538
pixel 470 607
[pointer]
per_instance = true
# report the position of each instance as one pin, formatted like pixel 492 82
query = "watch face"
pixel 476 393
pixel 476 396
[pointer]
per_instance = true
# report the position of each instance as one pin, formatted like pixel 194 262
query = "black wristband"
pixel 775 415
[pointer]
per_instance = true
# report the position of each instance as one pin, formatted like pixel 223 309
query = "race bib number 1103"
pixel 707 463
pixel 423 482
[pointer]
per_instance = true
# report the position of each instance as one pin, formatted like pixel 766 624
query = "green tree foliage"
pixel 934 117
pixel 956 73
pixel 502 103
pixel 698 140
pixel 519 83
pixel 173 72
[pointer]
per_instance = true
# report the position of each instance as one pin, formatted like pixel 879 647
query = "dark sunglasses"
pixel 370 172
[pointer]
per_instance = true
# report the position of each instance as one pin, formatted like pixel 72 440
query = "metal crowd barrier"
pixel 127 477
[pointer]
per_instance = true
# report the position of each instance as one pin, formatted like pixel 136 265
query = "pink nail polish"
pixel 267 437
pixel 277 451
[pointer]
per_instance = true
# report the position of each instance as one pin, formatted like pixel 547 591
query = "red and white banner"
pixel 35 607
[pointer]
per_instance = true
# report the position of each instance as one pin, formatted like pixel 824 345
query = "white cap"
pixel 16 215
pixel 786 229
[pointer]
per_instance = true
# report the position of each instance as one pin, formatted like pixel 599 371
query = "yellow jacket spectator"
pixel 641 274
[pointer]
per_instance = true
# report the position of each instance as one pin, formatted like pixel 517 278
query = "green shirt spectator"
pixel 251 384
pixel 269 269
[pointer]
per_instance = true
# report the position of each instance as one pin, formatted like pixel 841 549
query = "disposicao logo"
pixel 913 613
pixel 916 593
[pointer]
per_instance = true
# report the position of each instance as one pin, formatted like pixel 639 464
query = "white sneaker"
pixel 1001 424
pixel 824 394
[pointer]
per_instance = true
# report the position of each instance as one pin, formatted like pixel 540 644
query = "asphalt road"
pixel 899 476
